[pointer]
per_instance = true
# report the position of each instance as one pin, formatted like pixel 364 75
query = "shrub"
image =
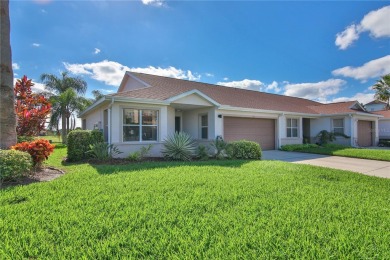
pixel 179 146
pixel 384 143
pixel 324 137
pixel 202 152
pixel 39 150
pixel 297 147
pixel 244 150
pixel 79 142
pixel 139 155
pixel 31 109
pixel 24 138
pixel 103 151
pixel 220 147
pixel 336 146
pixel 14 164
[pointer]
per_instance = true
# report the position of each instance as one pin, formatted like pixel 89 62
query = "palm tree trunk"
pixel 7 111
pixel 63 130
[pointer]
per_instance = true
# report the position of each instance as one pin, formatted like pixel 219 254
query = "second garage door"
pixel 364 133
pixel 261 131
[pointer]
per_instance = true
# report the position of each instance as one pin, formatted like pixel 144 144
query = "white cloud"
pixel 96 51
pixel 111 72
pixel 273 87
pixel 209 75
pixel 314 91
pixel 157 3
pixel 347 37
pixel 225 78
pixel 37 88
pixel 36 45
pixel 371 69
pixel 376 23
pixel 171 72
pixel 15 66
pixel 244 84
pixel 361 97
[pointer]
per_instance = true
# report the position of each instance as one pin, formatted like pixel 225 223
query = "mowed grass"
pixel 213 209
pixel 372 154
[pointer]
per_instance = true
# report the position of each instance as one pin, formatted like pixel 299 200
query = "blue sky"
pixel 320 50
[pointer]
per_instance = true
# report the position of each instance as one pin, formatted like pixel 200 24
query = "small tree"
pixel 382 89
pixel 31 109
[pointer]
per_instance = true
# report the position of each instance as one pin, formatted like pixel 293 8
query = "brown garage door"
pixel 258 130
pixel 364 133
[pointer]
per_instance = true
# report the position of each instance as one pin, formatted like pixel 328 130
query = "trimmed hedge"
pixel 384 142
pixel 244 149
pixel 297 147
pixel 14 164
pixel 79 142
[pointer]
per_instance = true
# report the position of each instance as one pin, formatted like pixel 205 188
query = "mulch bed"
pixel 43 174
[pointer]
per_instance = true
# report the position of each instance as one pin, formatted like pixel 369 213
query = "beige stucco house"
pixel 148 108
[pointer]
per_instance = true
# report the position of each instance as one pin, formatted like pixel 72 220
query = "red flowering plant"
pixel 31 109
pixel 39 150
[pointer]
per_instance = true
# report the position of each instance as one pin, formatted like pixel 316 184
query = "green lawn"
pixel 372 154
pixel 213 209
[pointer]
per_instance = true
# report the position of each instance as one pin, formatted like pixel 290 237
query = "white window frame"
pixel 338 127
pixel 140 125
pixel 290 128
pixel 202 126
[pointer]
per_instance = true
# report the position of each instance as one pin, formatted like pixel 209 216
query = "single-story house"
pixel 376 105
pixel 148 108
pixel 384 124
pixel 381 108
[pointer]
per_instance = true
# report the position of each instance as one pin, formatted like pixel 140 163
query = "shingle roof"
pixel 375 102
pixel 335 108
pixel 384 113
pixel 163 88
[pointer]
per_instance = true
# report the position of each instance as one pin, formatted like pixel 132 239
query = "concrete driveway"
pixel 368 167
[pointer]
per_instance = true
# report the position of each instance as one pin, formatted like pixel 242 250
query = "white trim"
pixel 137 79
pixel 141 125
pixel 194 91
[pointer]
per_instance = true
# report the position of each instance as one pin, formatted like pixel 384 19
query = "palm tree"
pixel 7 112
pixel 64 90
pixel 382 88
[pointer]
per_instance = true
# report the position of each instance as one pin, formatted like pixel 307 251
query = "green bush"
pixel 23 138
pixel 103 151
pixel 139 155
pixel 14 164
pixel 220 147
pixel 179 146
pixel 244 149
pixel 384 143
pixel 79 142
pixel 324 137
pixel 297 147
pixel 202 152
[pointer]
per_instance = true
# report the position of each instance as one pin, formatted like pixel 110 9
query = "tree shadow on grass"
pixel 126 166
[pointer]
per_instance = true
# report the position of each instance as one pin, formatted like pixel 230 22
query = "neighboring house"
pixel 148 108
pixel 381 108
pixel 384 124
pixel 376 105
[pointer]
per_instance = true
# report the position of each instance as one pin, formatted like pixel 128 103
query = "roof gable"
pixel 193 97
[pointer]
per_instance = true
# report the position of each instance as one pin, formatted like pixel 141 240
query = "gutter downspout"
pixel 352 130
pixel 110 121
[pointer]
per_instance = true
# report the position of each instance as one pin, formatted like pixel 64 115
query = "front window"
pixel 204 126
pixel 338 126
pixel 292 127
pixel 140 125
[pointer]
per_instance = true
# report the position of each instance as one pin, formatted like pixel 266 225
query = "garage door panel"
pixel 364 133
pixel 258 130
